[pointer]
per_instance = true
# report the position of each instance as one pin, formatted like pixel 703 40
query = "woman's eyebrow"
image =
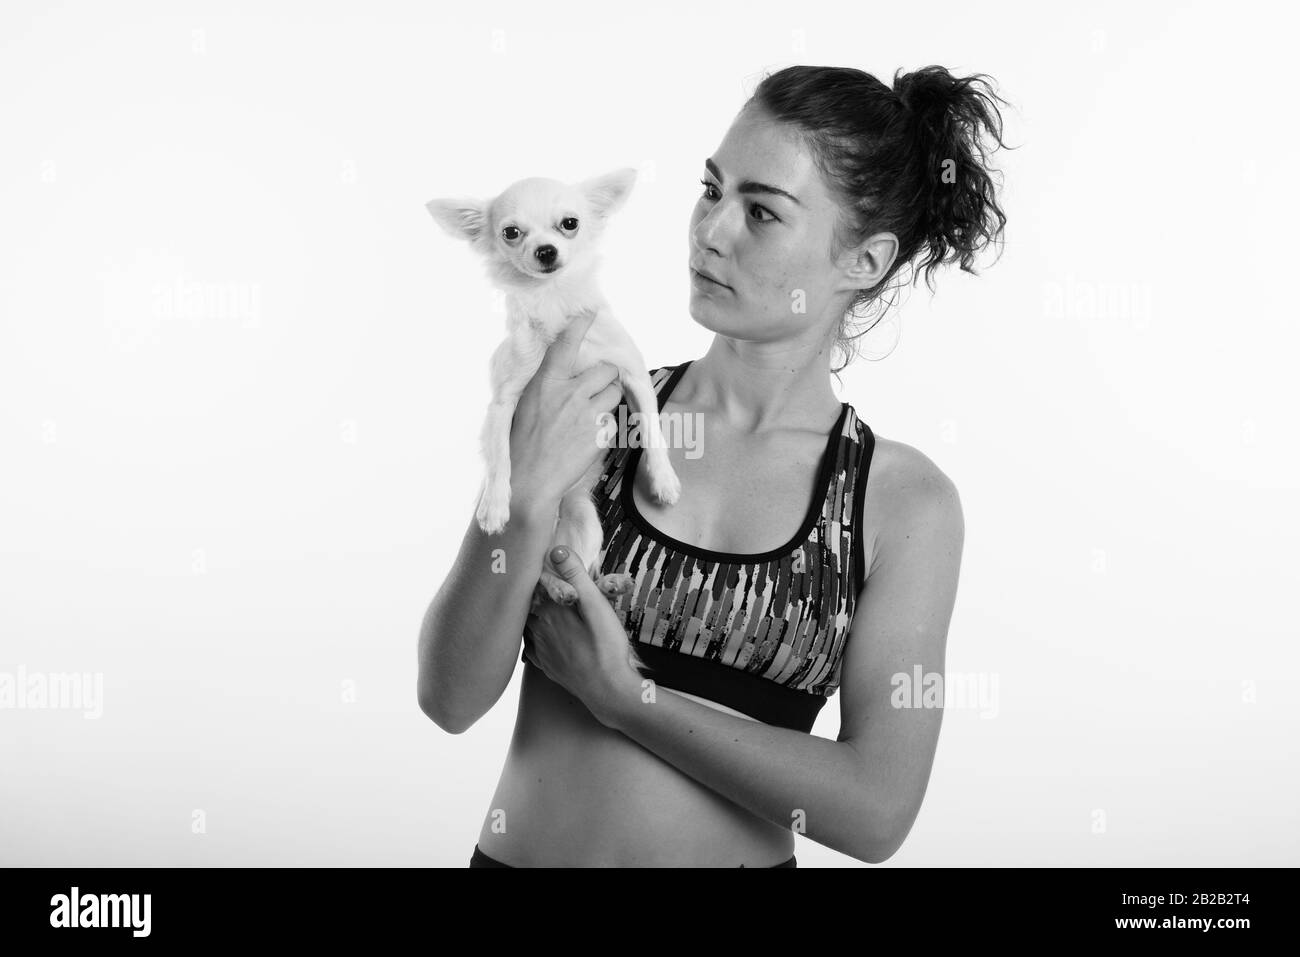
pixel 749 186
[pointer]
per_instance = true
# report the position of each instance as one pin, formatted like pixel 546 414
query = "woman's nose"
pixel 712 231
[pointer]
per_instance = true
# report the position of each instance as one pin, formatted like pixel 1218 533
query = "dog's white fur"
pixel 540 305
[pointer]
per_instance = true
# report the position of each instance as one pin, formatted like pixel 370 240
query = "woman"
pixel 781 574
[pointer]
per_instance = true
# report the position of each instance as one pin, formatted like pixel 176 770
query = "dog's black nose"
pixel 545 255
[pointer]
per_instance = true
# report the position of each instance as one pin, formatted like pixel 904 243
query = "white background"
pixel 236 509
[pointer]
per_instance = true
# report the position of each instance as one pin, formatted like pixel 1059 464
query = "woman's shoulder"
pixel 908 485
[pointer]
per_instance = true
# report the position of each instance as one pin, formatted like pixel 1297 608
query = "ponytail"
pixel 949 120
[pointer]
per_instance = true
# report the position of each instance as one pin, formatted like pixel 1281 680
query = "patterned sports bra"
pixel 762 633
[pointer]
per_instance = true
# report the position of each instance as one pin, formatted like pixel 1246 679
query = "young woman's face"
pixel 770 252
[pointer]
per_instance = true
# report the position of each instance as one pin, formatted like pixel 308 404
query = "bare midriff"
pixel 575 793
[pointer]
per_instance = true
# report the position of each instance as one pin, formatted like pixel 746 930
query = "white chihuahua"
pixel 539 238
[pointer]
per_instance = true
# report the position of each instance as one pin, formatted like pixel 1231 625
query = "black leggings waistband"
pixel 479 859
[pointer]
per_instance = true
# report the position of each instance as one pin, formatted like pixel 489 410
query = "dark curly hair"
pixel 911 160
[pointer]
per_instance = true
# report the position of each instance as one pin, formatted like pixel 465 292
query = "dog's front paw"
pixel 493 512
pixel 560 591
pixel 492 519
pixel 612 586
pixel 665 486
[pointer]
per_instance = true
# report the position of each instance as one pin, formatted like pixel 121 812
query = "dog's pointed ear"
pixel 463 218
pixel 608 193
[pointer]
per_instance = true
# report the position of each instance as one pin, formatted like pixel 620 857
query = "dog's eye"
pixel 511 233
pixel 569 222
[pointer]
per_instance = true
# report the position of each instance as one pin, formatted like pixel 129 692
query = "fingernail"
pixel 559 553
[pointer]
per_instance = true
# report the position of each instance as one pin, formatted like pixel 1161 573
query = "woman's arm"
pixel 860 793
pixel 472 631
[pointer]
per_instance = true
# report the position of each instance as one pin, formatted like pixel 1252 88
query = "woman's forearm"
pixel 817 787
pixel 473 630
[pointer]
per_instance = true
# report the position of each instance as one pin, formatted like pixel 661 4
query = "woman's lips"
pixel 701 279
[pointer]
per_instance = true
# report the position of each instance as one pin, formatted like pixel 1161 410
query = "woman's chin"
pixel 721 325
pixel 706 314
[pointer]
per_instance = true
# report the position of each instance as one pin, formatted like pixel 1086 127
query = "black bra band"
pixel 749 693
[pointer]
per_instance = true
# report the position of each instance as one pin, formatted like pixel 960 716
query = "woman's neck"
pixel 758 390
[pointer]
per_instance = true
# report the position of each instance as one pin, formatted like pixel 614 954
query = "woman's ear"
pixel 869 262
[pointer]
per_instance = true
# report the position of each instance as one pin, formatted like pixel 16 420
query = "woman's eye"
pixel 511 233
pixel 773 218
pixel 570 223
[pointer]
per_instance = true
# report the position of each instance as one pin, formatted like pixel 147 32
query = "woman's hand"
pixel 582 647
pixel 557 428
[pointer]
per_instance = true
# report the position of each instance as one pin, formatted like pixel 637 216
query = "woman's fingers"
pixel 607 398
pixel 568 567
pixel 600 376
pixel 562 354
